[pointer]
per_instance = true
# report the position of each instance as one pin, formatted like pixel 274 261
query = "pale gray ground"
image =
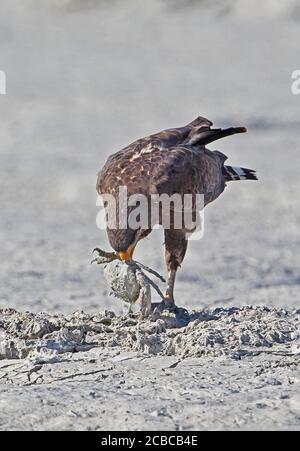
pixel 178 372
pixel 83 80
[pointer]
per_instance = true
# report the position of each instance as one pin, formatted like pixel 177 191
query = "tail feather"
pixel 232 173
pixel 206 135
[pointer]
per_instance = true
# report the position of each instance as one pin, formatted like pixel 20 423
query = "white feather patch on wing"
pixel 194 139
pixel 148 149
pixel 135 157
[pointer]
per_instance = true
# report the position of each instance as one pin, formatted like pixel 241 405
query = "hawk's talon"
pixel 169 305
pixel 165 305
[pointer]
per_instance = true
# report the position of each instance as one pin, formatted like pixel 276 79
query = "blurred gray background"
pixel 86 78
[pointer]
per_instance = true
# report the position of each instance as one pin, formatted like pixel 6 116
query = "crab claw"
pixel 104 257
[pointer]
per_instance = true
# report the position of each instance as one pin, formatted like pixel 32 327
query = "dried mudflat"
pixel 235 368
pixel 233 332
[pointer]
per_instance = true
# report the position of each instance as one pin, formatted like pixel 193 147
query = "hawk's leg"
pixel 176 247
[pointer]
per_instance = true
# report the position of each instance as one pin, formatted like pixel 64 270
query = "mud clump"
pixel 235 332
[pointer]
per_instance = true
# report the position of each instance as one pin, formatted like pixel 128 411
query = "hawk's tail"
pixel 206 135
pixel 235 173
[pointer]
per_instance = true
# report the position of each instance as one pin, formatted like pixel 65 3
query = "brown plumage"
pixel 174 161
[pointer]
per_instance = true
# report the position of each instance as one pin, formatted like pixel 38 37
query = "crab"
pixel 128 281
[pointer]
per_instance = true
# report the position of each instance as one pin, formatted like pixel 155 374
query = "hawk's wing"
pixel 186 170
pixel 177 136
pixel 198 132
pixel 175 149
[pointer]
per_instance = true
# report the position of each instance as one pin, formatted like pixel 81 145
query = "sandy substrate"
pixel 172 371
pixel 85 78
pixel 229 332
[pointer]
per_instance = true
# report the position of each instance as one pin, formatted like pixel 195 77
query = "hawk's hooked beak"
pixel 126 256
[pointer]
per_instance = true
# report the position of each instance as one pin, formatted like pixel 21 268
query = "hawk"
pixel 172 161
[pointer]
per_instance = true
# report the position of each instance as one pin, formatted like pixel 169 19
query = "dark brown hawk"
pixel 172 161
